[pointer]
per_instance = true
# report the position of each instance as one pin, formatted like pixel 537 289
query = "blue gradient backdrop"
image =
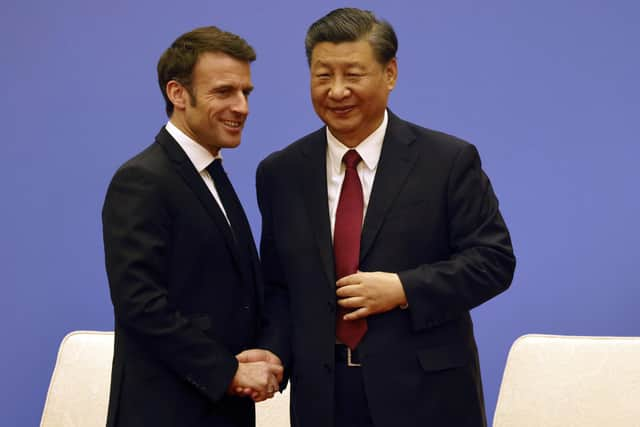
pixel 548 91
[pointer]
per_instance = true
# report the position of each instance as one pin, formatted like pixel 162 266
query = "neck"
pixel 178 121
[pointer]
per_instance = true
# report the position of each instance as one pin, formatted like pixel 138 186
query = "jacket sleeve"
pixel 276 325
pixel 137 242
pixel 482 262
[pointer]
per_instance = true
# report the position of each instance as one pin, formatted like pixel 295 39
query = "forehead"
pixel 345 53
pixel 220 67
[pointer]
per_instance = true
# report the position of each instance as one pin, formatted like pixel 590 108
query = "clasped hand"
pixel 258 376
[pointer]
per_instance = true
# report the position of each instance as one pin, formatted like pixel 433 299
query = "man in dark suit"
pixel 182 266
pixel 378 237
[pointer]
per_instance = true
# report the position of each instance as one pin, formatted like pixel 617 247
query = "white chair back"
pixel 565 381
pixel 275 411
pixel 79 390
pixel 78 394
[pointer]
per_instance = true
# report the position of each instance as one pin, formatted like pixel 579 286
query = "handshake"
pixel 258 376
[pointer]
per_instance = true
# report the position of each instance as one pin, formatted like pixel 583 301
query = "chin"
pixel 342 130
pixel 231 144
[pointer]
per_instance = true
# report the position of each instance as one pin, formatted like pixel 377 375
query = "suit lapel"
pixel 396 161
pixel 185 169
pixel 314 179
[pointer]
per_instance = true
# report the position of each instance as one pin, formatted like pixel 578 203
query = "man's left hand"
pixel 370 293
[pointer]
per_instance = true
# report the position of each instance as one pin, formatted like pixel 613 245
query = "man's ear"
pixel 391 73
pixel 177 94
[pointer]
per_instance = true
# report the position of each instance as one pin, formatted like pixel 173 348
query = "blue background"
pixel 548 91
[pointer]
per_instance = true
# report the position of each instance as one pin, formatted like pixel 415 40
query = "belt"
pixel 345 355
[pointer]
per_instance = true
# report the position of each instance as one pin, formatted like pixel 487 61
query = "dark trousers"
pixel 351 407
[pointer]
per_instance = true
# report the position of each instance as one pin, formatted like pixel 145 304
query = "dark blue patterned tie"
pixel 233 208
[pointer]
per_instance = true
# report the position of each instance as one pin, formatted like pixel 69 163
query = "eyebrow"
pixel 230 86
pixel 347 64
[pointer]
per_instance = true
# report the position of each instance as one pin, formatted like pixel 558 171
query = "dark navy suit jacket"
pixel 432 218
pixel 185 293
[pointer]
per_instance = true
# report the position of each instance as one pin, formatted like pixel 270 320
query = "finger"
pixel 360 313
pixel 273 385
pixel 279 376
pixel 242 357
pixel 277 372
pixel 272 358
pixel 275 369
pixel 274 362
pixel 351 279
pixel 253 355
pixel 242 391
pixel 352 302
pixel 350 291
pixel 263 397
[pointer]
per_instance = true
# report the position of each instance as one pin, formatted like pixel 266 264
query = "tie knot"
pixel 215 167
pixel 351 159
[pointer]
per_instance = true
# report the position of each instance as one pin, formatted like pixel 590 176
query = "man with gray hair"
pixel 378 237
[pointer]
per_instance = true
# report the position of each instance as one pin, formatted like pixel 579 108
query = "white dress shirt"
pixel 200 158
pixel 369 149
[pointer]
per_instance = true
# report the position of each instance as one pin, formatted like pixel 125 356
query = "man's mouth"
pixel 232 124
pixel 341 110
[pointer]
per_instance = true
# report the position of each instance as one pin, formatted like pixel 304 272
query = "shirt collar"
pixel 199 156
pixel 369 149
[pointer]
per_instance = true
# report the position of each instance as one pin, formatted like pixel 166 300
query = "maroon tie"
pixel 346 243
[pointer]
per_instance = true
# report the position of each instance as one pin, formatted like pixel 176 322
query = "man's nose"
pixel 241 104
pixel 338 89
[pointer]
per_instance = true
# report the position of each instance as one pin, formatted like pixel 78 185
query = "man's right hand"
pixel 259 374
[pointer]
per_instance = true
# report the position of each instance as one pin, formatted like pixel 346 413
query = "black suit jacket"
pixel 432 218
pixel 185 295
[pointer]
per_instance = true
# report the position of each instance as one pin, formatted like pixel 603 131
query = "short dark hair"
pixel 351 24
pixel 178 61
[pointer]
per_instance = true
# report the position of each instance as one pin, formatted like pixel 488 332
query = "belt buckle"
pixel 349 361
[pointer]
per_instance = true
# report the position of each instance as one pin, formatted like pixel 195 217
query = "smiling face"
pixel 214 109
pixel 350 88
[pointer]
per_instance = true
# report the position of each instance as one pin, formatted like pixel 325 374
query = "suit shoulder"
pixel 144 176
pixel 439 139
pixel 434 145
pixel 293 151
pixel 149 161
pixel 146 173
